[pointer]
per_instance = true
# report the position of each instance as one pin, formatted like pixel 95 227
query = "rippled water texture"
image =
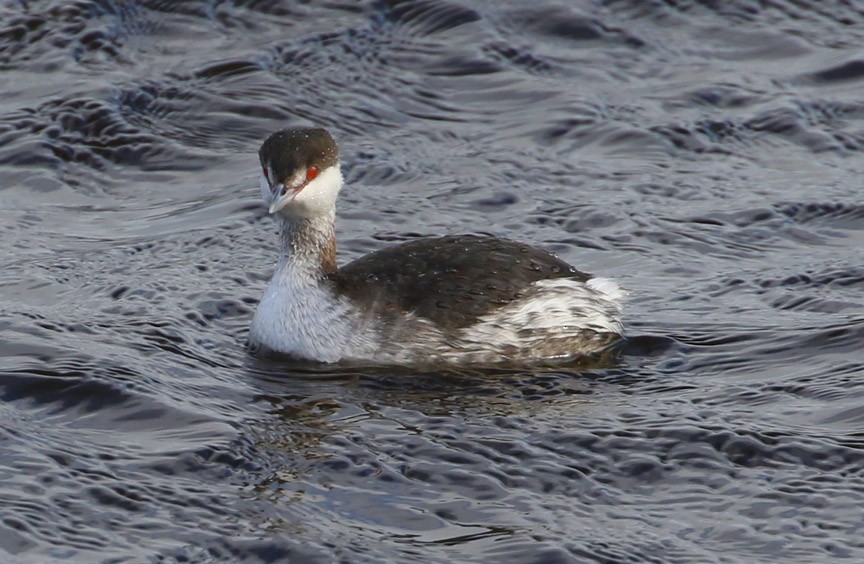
pixel 706 154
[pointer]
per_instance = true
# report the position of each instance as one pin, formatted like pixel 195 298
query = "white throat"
pixel 297 314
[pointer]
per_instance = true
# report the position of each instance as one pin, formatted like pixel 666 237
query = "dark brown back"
pixel 450 280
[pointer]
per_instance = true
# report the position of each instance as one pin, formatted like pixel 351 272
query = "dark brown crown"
pixel 291 149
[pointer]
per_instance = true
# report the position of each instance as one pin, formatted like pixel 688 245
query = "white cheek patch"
pixel 265 185
pixel 318 197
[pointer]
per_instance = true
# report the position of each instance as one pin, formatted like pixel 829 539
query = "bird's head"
pixel 300 176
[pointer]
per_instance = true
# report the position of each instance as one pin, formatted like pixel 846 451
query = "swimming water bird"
pixel 460 299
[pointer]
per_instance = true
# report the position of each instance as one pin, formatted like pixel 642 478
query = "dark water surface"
pixel 708 155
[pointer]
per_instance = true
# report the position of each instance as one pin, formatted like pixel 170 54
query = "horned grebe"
pixel 461 299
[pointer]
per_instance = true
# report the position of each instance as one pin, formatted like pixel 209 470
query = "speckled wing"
pixel 451 280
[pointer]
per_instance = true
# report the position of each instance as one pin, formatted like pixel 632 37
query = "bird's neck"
pixel 309 246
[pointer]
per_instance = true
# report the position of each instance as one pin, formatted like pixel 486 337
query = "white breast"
pixel 300 318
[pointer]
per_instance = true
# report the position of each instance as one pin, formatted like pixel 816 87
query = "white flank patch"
pixel 559 306
pixel 608 287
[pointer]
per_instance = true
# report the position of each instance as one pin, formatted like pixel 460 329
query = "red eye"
pixel 311 173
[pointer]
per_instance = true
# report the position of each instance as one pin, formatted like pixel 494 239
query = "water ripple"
pixel 703 154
